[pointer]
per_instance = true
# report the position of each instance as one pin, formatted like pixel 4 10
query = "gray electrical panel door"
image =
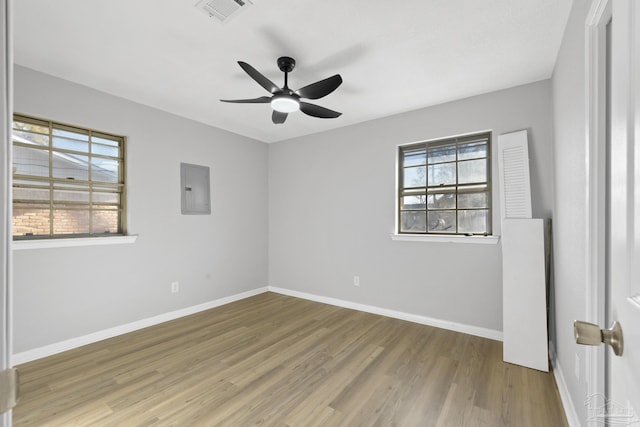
pixel 195 190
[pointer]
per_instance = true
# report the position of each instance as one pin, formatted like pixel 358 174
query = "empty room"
pixel 330 213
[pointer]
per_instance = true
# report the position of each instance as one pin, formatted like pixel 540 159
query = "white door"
pixel 613 288
pixel 623 373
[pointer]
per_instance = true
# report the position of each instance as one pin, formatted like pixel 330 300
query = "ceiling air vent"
pixel 223 10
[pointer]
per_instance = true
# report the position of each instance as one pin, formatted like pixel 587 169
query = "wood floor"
pixel 274 360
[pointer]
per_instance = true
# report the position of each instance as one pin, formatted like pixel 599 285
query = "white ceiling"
pixel 394 56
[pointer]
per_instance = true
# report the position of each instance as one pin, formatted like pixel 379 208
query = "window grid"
pixel 85 199
pixel 445 186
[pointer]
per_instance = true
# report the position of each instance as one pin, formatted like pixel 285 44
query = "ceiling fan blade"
pixel 258 77
pixel 318 111
pixel 261 100
pixel 278 117
pixel 322 88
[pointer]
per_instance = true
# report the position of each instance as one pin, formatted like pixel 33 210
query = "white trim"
pixel 6 270
pixel 565 396
pixel 415 318
pixel 18 245
pixel 595 191
pixel 59 347
pixel 455 238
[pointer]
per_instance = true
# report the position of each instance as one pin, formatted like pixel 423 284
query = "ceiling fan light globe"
pixel 285 104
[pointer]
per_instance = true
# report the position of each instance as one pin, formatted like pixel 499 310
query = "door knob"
pixel 590 334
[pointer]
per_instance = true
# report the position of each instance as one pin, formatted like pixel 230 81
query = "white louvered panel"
pixel 513 165
pixel 515 195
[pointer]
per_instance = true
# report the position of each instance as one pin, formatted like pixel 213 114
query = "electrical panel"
pixel 195 189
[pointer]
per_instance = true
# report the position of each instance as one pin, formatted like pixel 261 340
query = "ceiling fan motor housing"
pixel 286 64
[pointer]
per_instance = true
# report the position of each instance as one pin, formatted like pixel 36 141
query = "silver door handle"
pixel 590 334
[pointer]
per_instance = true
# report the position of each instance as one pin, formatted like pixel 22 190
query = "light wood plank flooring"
pixel 274 360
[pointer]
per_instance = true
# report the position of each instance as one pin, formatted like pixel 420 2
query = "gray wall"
pixel 569 116
pixel 332 201
pixel 306 214
pixel 65 293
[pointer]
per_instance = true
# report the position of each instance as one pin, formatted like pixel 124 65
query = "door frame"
pixel 595 156
pixel 6 89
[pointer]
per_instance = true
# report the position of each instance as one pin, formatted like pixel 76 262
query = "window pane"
pixel 104 150
pixel 441 201
pixel 31 138
pixel 70 144
pixel 442 221
pixel 105 221
pixel 413 221
pixel 30 220
pixel 472 171
pixel 29 161
pixel 106 197
pixel 105 141
pixel 442 174
pixel 31 194
pixel 69 134
pixel 72 166
pixel 104 206
pixel 71 196
pixel 414 157
pixel 414 177
pixel 446 153
pixel 473 200
pixel 413 202
pixel 104 170
pixel 472 150
pixel 475 221
pixel 70 221
pixel 30 127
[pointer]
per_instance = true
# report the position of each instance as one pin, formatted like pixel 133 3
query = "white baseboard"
pixel 72 343
pixel 565 397
pixel 59 347
pixel 415 318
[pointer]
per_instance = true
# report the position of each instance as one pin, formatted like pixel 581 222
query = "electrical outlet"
pixel 175 287
pixel 576 367
pixel 356 280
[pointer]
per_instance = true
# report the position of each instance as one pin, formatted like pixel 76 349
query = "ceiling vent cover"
pixel 223 10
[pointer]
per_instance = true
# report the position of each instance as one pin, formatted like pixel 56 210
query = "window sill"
pixel 73 242
pixel 486 240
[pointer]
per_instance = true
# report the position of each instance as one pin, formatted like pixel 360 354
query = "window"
pixel 67 181
pixel 445 186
